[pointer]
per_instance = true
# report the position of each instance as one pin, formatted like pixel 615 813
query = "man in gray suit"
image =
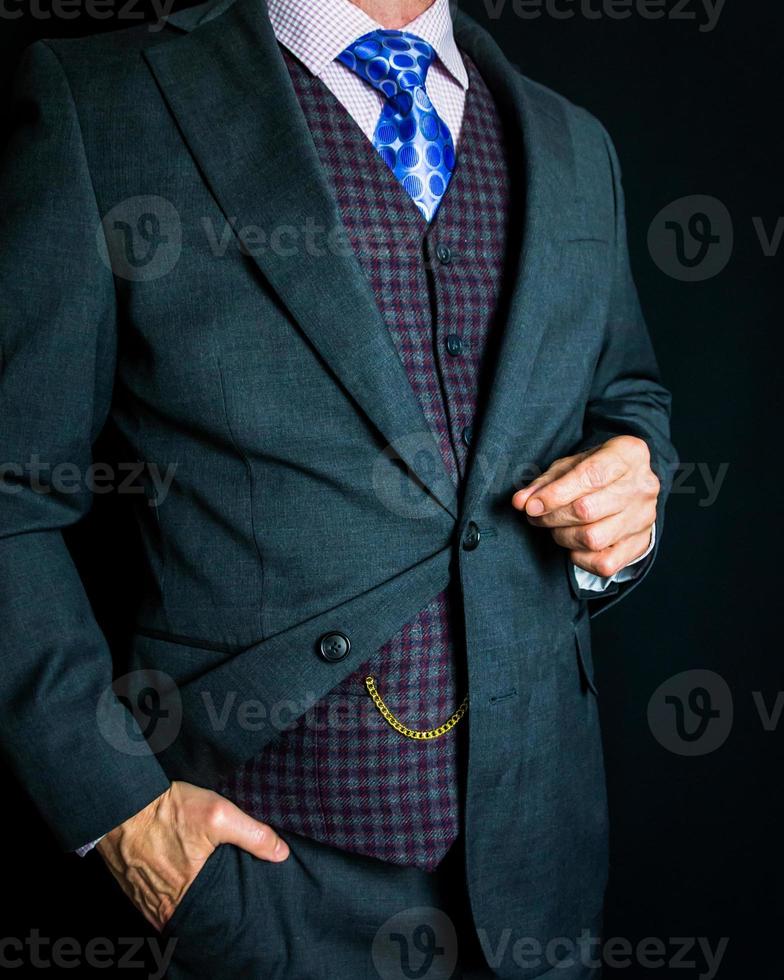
pixel 362 291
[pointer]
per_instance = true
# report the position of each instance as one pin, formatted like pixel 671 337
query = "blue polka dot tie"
pixel 411 137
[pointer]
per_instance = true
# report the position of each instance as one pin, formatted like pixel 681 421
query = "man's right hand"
pixel 156 854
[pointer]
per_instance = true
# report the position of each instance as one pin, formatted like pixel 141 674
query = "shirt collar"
pixel 317 31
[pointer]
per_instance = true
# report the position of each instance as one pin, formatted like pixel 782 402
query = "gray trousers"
pixel 324 915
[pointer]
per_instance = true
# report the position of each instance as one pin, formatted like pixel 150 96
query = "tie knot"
pixel 393 62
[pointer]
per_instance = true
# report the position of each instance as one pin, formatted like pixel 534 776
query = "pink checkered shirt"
pixel 317 31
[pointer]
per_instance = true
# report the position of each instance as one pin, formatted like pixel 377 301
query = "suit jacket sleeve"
pixel 67 743
pixel 627 396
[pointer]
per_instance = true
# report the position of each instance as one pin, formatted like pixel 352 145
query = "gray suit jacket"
pixel 308 494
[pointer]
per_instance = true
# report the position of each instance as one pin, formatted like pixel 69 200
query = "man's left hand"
pixel 600 504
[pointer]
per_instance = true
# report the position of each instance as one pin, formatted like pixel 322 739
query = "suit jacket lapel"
pixel 541 141
pixel 232 96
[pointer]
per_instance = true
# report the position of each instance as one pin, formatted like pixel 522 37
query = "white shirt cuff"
pixel 81 851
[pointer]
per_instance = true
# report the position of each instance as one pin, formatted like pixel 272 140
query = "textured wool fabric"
pixel 343 776
pixel 325 915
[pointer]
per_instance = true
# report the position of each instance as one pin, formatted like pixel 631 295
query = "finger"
pixel 227 824
pixel 606 533
pixel 555 470
pixel 600 469
pixel 607 563
pixel 586 510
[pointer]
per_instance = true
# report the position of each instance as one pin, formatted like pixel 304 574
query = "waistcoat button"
pixel 444 254
pixel 454 344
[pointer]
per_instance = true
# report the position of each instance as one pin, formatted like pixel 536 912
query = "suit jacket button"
pixel 472 537
pixel 334 647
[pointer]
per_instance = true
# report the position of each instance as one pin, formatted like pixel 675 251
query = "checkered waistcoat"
pixel 343 776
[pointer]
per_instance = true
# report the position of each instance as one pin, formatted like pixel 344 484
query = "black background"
pixel 696 841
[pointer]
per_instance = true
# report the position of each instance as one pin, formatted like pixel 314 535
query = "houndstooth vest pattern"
pixel 342 775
